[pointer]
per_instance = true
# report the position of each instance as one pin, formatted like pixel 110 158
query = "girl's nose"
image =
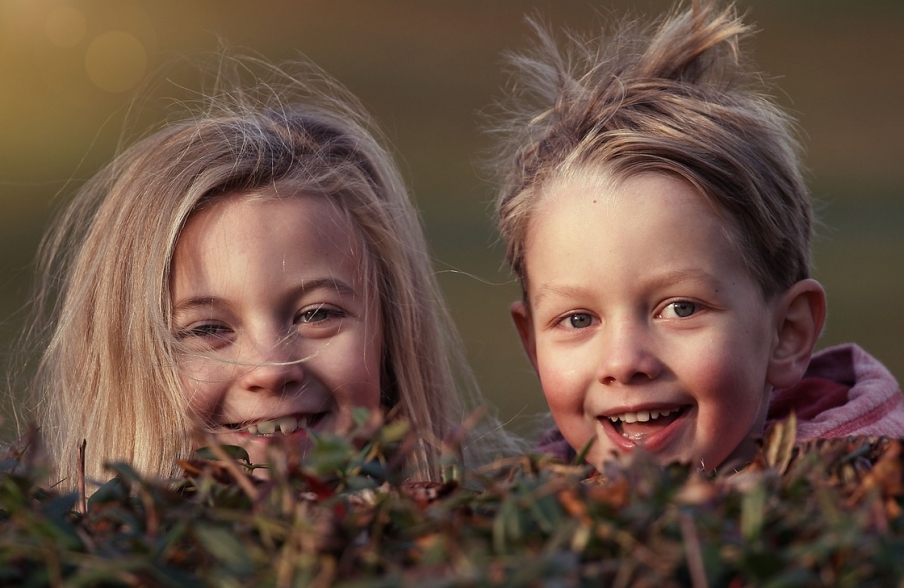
pixel 627 356
pixel 273 366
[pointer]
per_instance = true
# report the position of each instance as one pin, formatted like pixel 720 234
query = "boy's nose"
pixel 626 357
pixel 273 366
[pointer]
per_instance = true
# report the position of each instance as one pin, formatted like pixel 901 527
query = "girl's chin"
pixel 259 446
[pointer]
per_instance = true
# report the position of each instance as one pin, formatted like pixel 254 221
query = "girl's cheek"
pixel 198 380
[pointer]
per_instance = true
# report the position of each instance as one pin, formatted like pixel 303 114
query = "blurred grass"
pixel 426 70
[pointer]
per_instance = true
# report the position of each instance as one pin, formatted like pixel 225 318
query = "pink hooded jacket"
pixel 844 392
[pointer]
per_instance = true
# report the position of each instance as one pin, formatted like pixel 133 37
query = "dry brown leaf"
pixel 616 493
pixel 696 491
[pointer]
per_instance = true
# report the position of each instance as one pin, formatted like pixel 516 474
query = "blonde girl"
pixel 255 269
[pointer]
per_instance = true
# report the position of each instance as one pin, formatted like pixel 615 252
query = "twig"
pixel 232 467
pixel 82 504
pixel 694 557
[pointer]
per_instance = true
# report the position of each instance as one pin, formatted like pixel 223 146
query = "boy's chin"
pixel 738 459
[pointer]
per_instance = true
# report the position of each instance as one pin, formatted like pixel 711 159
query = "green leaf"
pixel 753 505
pixel 223 544
pixel 114 490
pixel 233 451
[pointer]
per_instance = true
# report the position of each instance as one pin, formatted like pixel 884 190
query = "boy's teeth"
pixel 641 416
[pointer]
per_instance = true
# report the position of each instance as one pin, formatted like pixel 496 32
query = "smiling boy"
pixel 655 213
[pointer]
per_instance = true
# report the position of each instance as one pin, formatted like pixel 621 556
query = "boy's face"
pixel 643 324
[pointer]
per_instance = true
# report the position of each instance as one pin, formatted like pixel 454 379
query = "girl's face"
pixel 643 323
pixel 276 329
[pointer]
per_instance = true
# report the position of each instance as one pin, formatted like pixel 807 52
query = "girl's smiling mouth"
pixel 285 425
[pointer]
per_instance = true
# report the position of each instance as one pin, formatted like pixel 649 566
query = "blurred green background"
pixel 69 71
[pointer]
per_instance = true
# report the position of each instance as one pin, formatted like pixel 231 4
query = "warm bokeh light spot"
pixel 116 61
pixel 65 27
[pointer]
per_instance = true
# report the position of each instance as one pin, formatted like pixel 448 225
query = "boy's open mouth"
pixel 637 425
pixel 282 426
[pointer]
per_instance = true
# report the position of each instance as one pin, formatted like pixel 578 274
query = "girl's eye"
pixel 319 314
pixel 579 320
pixel 204 331
pixel 679 309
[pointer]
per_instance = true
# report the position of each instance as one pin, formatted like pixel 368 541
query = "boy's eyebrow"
pixel 307 286
pixel 565 291
pixel 659 280
pixel 681 275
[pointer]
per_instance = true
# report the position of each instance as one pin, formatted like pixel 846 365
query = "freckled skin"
pixel 272 317
pixel 637 301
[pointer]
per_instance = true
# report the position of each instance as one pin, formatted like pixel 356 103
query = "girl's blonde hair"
pixel 674 97
pixel 108 375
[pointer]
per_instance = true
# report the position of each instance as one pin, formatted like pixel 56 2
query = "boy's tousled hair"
pixel 674 97
pixel 108 371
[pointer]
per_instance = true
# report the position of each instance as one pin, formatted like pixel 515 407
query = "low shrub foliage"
pixel 819 513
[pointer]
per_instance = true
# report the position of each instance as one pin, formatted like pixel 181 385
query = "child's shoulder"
pixel 845 391
pixel 553 444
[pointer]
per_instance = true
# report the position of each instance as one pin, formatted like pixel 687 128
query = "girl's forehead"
pixel 267 240
pixel 295 201
pixel 267 222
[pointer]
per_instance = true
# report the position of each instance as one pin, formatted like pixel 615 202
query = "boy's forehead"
pixel 591 186
pixel 587 179
pixel 604 186
pixel 653 226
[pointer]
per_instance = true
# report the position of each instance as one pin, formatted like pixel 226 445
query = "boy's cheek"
pixel 562 387
pixel 567 409
pixel 567 380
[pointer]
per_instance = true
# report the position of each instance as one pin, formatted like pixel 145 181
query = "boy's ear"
pixel 801 314
pixel 521 315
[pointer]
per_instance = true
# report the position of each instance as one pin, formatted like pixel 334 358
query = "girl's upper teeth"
pixel 641 416
pixel 284 425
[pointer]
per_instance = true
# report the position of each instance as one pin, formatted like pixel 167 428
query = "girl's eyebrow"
pixel 307 286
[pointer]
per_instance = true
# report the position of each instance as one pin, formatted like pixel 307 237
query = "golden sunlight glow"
pixel 65 27
pixel 116 61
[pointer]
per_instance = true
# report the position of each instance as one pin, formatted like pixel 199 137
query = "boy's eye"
pixel 680 309
pixel 580 320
